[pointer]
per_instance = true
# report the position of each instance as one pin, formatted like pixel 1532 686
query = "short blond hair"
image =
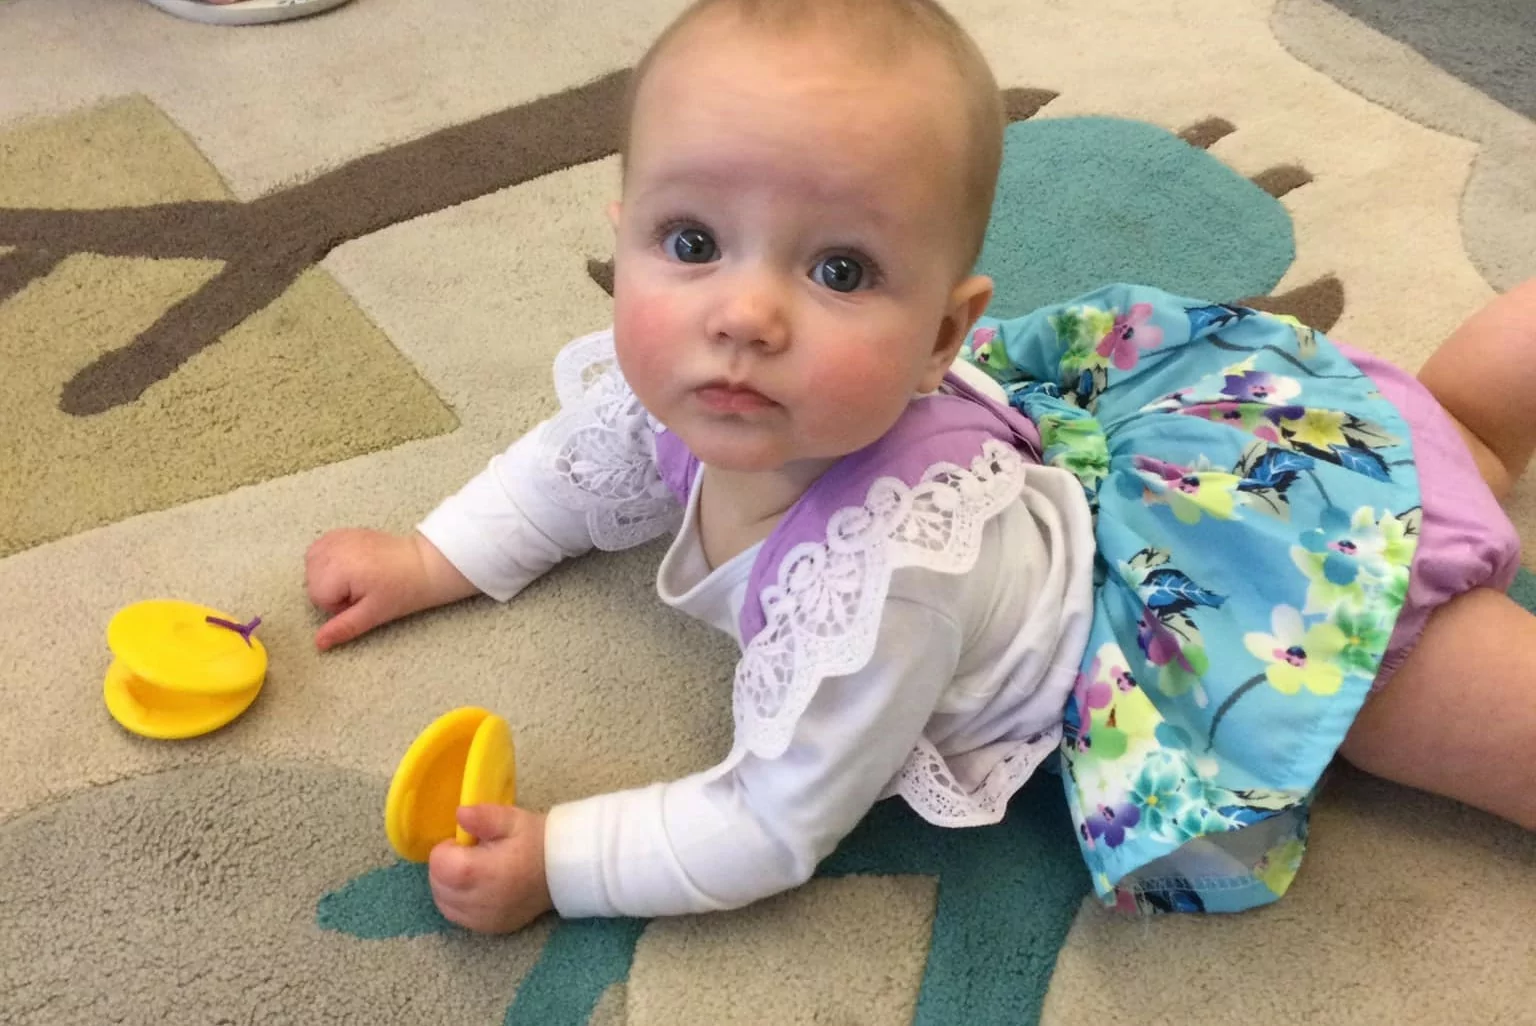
pixel 886 30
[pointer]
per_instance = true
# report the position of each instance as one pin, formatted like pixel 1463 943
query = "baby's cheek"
pixel 643 312
pixel 863 397
pixel 646 327
pixel 844 381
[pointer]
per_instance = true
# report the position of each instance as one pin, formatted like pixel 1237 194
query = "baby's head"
pixel 806 189
pixel 886 36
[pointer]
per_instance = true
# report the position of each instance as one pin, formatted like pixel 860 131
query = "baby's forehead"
pixel 858 37
pixel 830 143
pixel 793 72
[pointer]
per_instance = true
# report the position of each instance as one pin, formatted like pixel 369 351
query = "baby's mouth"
pixel 729 397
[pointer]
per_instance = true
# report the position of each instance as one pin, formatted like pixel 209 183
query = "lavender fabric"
pixel 948 427
pixel 1466 540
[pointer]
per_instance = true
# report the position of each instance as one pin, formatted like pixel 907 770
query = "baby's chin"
pixel 740 459
pixel 747 456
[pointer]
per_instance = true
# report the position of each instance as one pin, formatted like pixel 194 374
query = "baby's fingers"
pixel 329 594
pixel 451 868
pixel 326 580
pixel 455 911
pixel 456 903
pixel 352 621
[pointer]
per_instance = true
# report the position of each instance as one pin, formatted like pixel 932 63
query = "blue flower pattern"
pixel 1256 509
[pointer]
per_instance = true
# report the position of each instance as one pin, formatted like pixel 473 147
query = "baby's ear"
pixel 614 210
pixel 967 302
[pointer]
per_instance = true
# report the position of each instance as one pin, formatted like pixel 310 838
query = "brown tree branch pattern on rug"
pixel 267 243
pixel 297 384
pixel 24 266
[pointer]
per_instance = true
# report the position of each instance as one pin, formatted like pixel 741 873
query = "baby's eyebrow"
pixel 852 200
pixel 689 182
pixel 694 174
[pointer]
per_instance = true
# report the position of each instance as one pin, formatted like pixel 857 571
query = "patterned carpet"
pixel 258 283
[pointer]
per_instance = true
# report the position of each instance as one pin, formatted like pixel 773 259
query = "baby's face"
pixel 787 247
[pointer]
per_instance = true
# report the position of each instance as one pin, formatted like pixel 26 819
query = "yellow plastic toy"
pixel 464 757
pixel 181 669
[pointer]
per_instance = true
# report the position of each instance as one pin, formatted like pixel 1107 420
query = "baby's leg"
pixel 1459 716
pixel 1485 375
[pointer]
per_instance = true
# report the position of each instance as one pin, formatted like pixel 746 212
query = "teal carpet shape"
pixel 1086 201
pixel 1006 898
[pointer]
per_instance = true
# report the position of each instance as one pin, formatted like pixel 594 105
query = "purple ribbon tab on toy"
pixel 243 629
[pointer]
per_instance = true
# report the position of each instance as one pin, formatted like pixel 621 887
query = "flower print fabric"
pixel 1257 511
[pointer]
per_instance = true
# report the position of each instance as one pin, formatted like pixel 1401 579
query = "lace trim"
pixel 927 785
pixel 600 450
pixel 823 614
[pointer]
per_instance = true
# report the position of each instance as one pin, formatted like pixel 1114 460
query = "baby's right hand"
pixel 367 578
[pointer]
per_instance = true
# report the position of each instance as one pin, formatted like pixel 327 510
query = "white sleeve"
pixel 501 530
pixel 732 835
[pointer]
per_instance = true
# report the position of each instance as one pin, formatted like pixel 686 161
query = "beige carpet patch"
pixel 187 898
pixel 305 380
pixel 1409 910
pixel 875 929
pixel 123 153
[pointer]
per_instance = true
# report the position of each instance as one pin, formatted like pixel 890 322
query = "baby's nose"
pixel 753 311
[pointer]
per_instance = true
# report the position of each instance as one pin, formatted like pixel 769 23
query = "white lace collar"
pixel 600 450
pixel 823 611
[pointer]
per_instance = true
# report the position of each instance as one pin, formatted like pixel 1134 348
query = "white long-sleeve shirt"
pixel 975 667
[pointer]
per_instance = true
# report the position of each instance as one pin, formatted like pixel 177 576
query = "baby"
pixel 1172 542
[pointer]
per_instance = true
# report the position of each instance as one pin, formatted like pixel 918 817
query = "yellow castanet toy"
pixel 181 669
pixel 464 757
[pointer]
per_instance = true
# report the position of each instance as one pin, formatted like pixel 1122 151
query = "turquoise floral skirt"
pixel 1257 511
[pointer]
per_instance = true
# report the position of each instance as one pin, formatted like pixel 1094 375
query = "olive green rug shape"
pixel 293 383
pixel 255 284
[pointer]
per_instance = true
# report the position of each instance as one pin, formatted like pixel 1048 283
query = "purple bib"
pixel 950 426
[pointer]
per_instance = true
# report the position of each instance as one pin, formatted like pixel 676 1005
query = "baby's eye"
pixel 691 245
pixel 839 273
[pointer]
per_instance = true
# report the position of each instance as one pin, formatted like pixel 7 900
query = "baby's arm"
pixel 747 829
pixel 503 529
pixel 737 833
pixel 496 535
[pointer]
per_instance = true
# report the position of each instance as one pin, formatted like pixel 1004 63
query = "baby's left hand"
pixel 496 885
